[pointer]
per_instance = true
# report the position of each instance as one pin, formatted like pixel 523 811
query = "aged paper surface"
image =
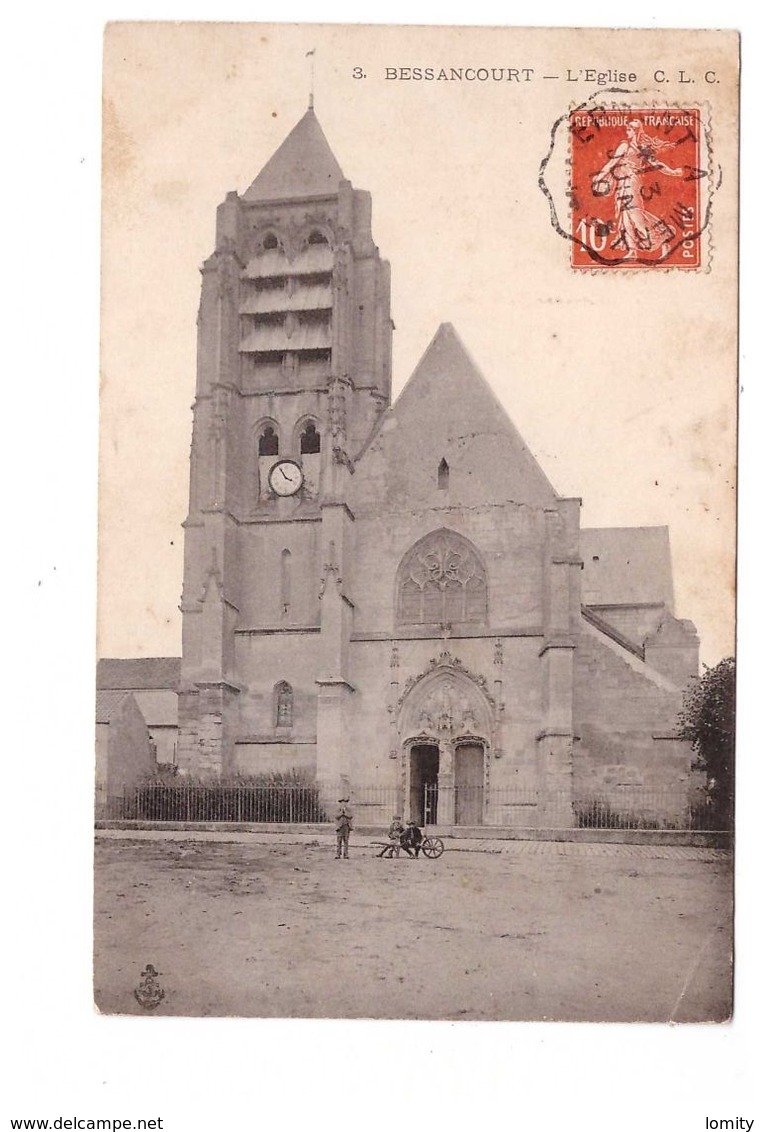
pixel 567 201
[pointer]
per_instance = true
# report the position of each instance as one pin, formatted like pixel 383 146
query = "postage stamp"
pixel 635 187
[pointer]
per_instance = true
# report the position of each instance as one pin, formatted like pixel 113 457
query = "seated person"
pixel 394 834
pixel 411 838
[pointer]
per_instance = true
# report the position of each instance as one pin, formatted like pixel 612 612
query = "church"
pixel 392 597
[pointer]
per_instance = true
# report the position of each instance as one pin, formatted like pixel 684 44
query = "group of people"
pixel 399 836
pixel 408 837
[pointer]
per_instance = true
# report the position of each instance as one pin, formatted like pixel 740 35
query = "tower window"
pixel 283 703
pixel 317 238
pixel 310 440
pixel 268 444
pixel 270 242
pixel 443 475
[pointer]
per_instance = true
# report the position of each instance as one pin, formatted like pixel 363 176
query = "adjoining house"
pixel 124 752
pixel 153 682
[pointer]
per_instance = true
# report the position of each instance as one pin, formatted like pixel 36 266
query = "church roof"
pixel 626 566
pixel 448 410
pixel 302 166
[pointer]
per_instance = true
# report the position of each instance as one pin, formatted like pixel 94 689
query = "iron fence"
pixel 614 807
pixel 218 803
pixel 611 808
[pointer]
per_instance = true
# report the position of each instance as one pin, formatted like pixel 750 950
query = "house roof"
pixel 626 566
pixel 302 166
pixel 108 705
pixel 137 673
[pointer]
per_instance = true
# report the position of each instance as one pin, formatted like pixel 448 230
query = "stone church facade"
pixel 393 596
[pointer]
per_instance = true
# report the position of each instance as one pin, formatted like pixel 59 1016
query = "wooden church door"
pixel 468 784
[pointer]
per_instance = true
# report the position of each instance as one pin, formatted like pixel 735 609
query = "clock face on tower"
pixel 285 478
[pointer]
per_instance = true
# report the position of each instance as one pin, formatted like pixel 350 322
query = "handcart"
pixel 430 847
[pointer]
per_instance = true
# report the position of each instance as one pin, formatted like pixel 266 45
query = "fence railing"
pixel 614 808
pixel 218 803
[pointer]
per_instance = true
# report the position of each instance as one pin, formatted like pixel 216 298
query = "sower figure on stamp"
pixel 625 174
pixel 343 826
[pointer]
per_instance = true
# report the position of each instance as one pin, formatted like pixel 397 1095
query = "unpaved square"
pixel 284 930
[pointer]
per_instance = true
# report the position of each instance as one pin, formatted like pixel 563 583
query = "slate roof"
pixel 302 166
pixel 137 673
pixel 626 566
pixel 108 705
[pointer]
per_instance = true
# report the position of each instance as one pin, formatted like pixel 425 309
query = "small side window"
pixel 283 698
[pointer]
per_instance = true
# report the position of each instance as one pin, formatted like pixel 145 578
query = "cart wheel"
pixel 432 847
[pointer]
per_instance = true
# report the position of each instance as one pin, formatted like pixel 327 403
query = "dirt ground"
pixel 280 930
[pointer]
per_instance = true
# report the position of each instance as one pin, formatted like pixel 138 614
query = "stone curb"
pixel 495 846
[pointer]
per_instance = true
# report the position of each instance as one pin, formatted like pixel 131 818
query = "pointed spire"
pixel 302 166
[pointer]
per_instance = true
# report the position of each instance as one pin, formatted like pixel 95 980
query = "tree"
pixel 707 721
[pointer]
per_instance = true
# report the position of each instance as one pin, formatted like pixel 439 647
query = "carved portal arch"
pixel 447 724
pixel 445 704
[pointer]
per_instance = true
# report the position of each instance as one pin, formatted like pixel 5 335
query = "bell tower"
pixel 293 370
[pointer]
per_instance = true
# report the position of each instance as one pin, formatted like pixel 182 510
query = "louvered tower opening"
pixel 286 308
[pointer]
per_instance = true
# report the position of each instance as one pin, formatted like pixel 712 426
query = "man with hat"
pixel 412 838
pixel 343 825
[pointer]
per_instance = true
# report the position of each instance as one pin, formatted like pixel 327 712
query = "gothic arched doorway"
pixel 445 729
pixel 469 783
pixel 423 783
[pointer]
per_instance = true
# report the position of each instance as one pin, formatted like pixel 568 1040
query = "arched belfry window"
pixel 442 580
pixel 268 444
pixel 443 475
pixel 270 242
pixel 310 440
pixel 317 237
pixel 283 703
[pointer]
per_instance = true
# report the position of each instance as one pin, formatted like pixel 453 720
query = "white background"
pixel 63 1060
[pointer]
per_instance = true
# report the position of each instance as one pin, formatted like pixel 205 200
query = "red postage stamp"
pixel 635 188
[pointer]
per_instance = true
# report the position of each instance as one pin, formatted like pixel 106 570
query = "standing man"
pixel 343 826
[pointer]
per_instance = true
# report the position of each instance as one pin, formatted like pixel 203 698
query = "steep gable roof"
pixel 302 166
pixel 447 411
